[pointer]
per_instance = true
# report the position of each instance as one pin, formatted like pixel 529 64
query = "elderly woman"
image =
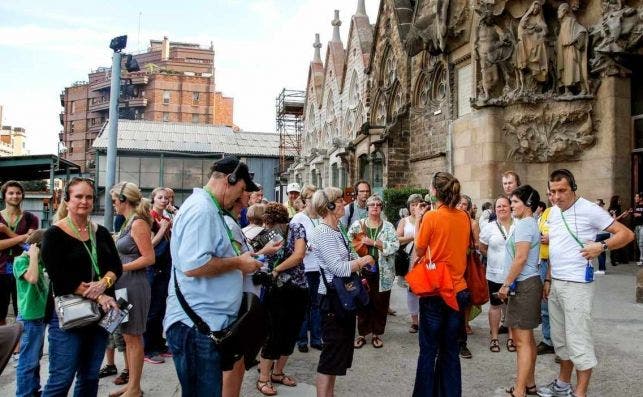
pixel 406 235
pixel 332 247
pixel 493 238
pixel 81 259
pixel 286 301
pixel 382 244
pixel 523 287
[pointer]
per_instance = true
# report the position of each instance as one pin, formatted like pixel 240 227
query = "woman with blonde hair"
pixel 80 259
pixel 134 244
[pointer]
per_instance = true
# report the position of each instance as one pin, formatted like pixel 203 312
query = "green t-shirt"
pixel 32 298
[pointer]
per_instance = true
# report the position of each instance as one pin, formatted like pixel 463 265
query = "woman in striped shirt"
pixel 333 250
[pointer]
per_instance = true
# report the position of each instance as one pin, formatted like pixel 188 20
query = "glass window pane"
pixel 192 173
pixel 172 181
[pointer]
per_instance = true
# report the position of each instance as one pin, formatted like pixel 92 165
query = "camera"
pixel 262 278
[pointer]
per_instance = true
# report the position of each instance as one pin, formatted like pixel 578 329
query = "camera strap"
pixel 196 319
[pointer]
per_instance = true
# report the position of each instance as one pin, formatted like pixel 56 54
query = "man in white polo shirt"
pixel 573 225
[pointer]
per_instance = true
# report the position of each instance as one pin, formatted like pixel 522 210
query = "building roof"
pixel 154 136
pixel 36 166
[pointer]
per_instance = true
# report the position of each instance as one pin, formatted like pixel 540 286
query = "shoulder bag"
pixel 75 311
pixel 402 260
pixel 360 248
pixel 428 278
pixel 475 275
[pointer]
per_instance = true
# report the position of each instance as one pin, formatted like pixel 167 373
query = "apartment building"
pixel 13 140
pixel 176 83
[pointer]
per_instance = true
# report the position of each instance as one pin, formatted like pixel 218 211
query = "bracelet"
pixel 108 281
pixel 547 280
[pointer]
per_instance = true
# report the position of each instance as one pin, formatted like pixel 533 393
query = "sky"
pixel 261 47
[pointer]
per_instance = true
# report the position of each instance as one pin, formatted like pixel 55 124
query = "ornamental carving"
pixel 553 131
pixel 429 31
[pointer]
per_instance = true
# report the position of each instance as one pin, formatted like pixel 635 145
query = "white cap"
pixel 293 187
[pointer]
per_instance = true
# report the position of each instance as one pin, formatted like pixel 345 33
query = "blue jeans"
pixel 312 320
pixel 76 352
pixel 197 361
pixel 31 343
pixel 153 336
pixel 602 256
pixel 544 305
pixel 438 368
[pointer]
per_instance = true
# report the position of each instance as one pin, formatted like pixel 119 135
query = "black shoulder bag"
pixel 230 341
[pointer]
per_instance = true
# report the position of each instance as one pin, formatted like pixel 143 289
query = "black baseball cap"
pixel 232 165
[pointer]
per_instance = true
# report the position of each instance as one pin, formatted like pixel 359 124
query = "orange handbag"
pixel 428 278
pixel 476 277
pixel 360 248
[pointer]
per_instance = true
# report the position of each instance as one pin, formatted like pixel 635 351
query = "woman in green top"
pixel 33 294
pixel 382 245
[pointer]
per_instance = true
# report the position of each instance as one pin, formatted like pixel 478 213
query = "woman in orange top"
pixel 443 236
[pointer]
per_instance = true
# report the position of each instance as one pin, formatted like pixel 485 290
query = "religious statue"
pixel 494 50
pixel 571 50
pixel 531 50
pixel 429 31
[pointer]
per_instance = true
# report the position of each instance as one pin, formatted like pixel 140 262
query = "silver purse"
pixel 75 311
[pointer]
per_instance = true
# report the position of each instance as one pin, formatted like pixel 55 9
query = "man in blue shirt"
pixel 209 272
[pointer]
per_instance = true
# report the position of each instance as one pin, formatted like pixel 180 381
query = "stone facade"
pixel 480 87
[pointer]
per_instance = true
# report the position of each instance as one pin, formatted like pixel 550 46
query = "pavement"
pixel 390 371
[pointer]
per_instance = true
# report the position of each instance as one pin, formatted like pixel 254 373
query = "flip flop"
pixel 360 341
pixel 494 346
pixel 510 345
pixel 377 342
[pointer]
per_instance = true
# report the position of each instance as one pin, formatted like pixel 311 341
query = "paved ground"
pixel 390 371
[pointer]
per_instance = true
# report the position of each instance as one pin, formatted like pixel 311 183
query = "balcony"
pixel 142 79
pixel 106 83
pixel 99 106
pixel 62 99
pixel 137 102
pixel 100 85
pixel 62 118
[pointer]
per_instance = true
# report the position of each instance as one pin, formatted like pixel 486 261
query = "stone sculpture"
pixel 571 50
pixel 494 52
pixel 430 31
pixel 531 50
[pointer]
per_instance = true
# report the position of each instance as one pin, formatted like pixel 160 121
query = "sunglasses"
pixel 375 205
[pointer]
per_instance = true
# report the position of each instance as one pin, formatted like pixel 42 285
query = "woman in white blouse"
pixel 493 236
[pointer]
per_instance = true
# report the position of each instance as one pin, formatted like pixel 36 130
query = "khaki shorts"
pixel 116 340
pixel 570 318
pixel 523 309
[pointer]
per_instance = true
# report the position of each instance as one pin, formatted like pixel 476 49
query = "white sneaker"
pixel 599 272
pixel 14 359
pixel 639 263
pixel 553 390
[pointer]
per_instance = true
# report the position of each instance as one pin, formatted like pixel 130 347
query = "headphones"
pixel 121 196
pixel 529 199
pixel 232 177
pixel 570 177
pixel 329 204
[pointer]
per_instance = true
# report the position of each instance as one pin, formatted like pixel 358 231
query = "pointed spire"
pixel 317 46
pixel 361 8
pixel 336 24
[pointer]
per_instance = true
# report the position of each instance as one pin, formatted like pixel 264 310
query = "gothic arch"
pixel 380 110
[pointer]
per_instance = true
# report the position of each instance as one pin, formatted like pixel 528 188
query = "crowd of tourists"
pixel 231 282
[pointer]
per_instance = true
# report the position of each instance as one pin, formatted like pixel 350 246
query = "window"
pixel 166 116
pixel 129 169
pixel 195 97
pixel 166 97
pixel 71 126
pixel 73 107
pixel 93 121
pixel 378 169
pixel 334 175
pixel 364 168
pixel 150 169
pixel 195 118
pixel 172 172
pixel 465 87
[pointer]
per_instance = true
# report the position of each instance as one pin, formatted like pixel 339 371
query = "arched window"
pixel 378 169
pixel 334 175
pixel 313 177
pixel 364 167
pixel 388 68
pixel 353 92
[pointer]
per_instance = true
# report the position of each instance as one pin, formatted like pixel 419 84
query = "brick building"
pixel 12 140
pixel 176 84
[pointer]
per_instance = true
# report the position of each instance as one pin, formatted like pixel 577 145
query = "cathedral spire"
pixel 361 8
pixel 317 45
pixel 336 24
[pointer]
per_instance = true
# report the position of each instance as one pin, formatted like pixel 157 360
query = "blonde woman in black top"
pixel 81 259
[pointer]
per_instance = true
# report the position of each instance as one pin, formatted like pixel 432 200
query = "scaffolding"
pixel 290 114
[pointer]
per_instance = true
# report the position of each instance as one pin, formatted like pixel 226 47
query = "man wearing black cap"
pixel 209 270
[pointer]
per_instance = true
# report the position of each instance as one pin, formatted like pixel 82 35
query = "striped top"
pixel 332 252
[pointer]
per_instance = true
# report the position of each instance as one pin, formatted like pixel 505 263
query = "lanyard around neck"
pixel 93 252
pixel 236 249
pixel 502 231
pixel 570 230
pixel 124 226
pixel 13 226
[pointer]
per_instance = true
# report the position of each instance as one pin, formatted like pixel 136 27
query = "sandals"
pixel 122 378
pixel 360 341
pixel 510 345
pixel 266 388
pixel 494 346
pixel 529 391
pixel 414 329
pixel 377 342
pixel 283 379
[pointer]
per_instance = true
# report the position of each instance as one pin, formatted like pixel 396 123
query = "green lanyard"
pixel 512 245
pixel 235 247
pixel 373 236
pixel 93 252
pixel 124 226
pixel 351 249
pixel 13 227
pixel 570 230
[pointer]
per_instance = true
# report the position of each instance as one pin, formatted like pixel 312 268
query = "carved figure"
pixel 531 51
pixel 494 50
pixel 571 52
pixel 430 31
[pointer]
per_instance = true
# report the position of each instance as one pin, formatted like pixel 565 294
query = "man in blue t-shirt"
pixel 209 272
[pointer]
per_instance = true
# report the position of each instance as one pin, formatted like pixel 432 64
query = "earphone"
pixel 528 202
pixel 570 178
pixel 232 178
pixel 121 196
pixel 329 204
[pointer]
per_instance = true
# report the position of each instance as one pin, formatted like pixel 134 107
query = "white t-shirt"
pixel 585 219
pixel 491 236
pixel 311 263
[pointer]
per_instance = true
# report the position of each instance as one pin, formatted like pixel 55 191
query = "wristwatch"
pixel 604 245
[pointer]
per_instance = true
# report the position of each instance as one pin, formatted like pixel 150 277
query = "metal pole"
pixel 110 181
